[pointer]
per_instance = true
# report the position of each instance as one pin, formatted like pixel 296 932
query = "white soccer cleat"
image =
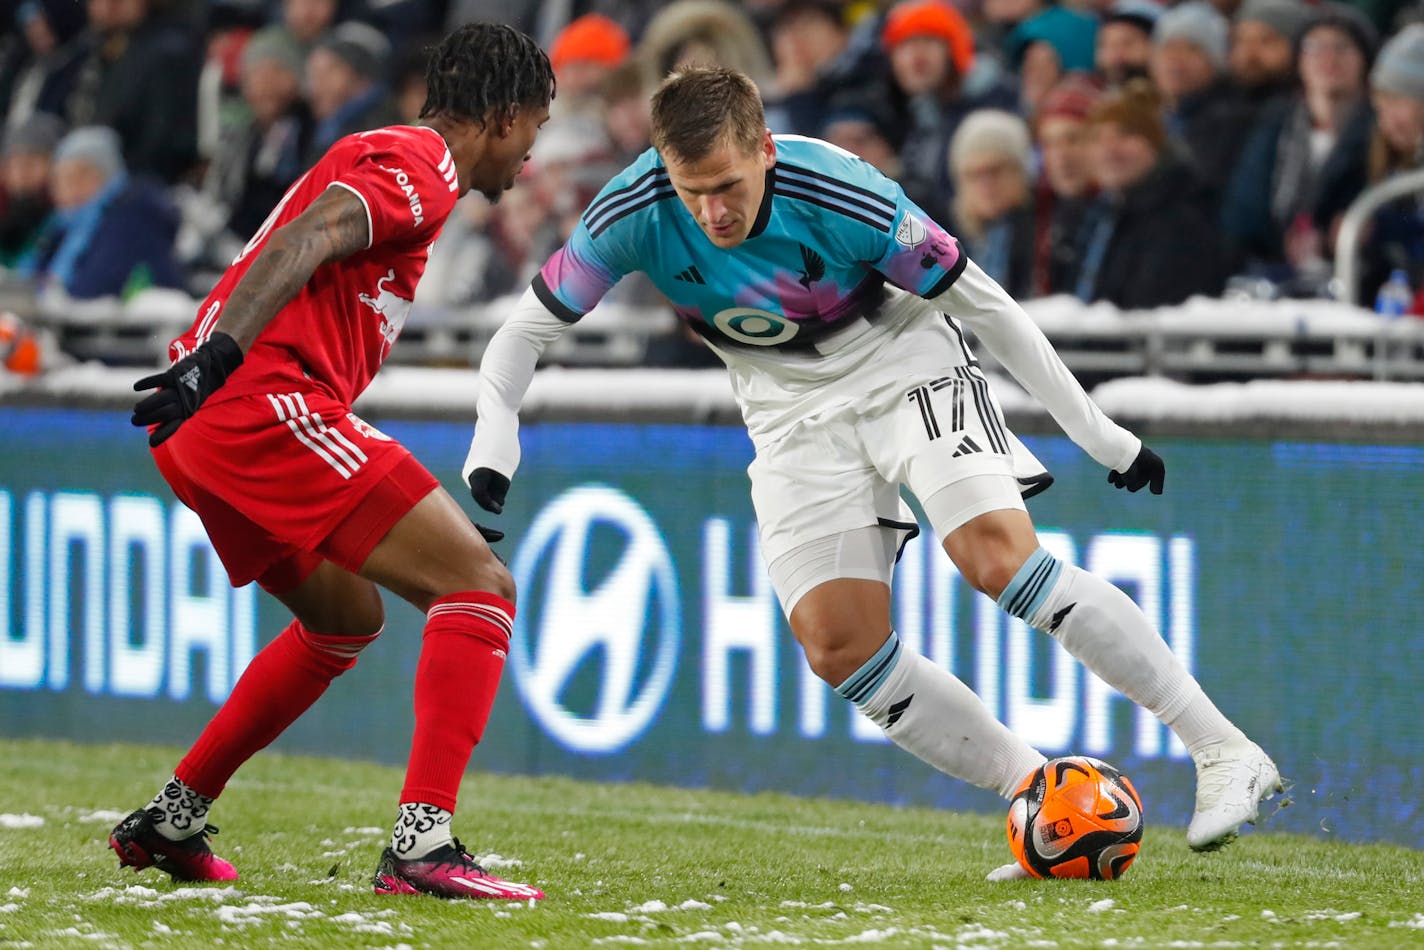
pixel 1009 872
pixel 1232 780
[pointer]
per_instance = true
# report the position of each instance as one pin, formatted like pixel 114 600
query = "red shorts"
pixel 285 480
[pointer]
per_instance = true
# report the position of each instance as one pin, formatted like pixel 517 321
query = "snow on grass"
pixel 1098 907
pixel 18 892
pixel 493 861
pixel 1334 915
pixel 873 936
pixel 1417 922
pixel 101 816
pixel 256 910
pixel 216 894
pixel 91 934
pixel 141 896
pixel 364 924
pixel 23 820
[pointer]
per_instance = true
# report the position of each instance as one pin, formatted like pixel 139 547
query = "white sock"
pixel 420 829
pixel 178 811
pixel 1109 634
pixel 929 713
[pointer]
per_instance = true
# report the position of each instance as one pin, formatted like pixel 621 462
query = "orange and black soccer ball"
pixel 1075 817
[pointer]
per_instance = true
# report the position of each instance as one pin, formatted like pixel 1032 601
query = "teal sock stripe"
pixel 863 683
pixel 1030 586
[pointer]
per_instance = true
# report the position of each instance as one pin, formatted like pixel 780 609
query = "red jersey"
pixel 340 327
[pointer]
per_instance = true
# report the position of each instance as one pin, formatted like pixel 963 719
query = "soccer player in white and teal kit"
pixel 836 304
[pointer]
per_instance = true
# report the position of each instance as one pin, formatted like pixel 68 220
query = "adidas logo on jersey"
pixel 690 275
pixel 967 446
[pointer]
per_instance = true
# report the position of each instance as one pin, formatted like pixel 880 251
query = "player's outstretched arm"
pixel 1017 342
pixel 331 228
pixel 506 371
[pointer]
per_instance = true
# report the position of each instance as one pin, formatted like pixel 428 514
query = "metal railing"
pixel 1347 242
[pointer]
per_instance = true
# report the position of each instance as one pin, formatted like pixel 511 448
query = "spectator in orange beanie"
pixel 931 50
pixel 583 55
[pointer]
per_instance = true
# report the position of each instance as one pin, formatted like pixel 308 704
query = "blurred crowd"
pixel 1122 150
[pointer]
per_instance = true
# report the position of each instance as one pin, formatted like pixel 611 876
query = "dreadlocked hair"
pixel 486 70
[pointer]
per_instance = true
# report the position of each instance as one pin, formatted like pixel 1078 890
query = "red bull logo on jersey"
pixel 365 428
pixel 392 310
pixel 411 195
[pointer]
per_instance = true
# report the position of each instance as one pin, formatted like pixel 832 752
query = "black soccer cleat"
pixel 140 845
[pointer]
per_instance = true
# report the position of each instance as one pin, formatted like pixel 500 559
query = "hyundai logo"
pixel 598 595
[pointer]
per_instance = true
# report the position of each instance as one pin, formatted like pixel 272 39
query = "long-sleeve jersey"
pixel 807 294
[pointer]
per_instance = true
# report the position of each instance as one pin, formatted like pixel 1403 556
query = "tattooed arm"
pixel 333 227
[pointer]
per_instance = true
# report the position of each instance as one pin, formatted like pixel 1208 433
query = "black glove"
pixel 1146 469
pixel 184 386
pixel 488 488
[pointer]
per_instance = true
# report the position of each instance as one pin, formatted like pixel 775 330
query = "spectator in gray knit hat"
pixel 25 162
pixel 990 159
pixel 1395 235
pixel 110 232
pixel 1305 161
pixel 1262 54
pixel 262 156
pixel 1399 70
pixel 1205 110
pixel 1189 47
pixel 345 85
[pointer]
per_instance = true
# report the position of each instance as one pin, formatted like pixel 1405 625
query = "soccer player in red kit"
pixel 252 428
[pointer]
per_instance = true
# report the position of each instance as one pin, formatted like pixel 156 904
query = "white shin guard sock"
pixel 178 811
pixel 1107 632
pixel 929 713
pixel 420 829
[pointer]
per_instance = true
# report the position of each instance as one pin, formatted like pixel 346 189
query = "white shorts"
pixel 870 553
pixel 840 464
pixel 910 410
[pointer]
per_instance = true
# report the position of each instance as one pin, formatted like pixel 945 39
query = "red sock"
pixel 280 684
pixel 461 659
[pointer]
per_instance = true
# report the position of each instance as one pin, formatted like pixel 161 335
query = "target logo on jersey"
pixel 1075 817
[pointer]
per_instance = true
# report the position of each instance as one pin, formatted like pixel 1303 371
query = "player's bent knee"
pixel 833 658
pixel 990 575
pixel 496 578
pixel 335 654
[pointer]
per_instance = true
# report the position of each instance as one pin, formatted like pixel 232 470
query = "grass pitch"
pixel 634 864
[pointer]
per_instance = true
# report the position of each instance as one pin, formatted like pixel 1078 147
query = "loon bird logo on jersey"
pixel 392 310
pixel 814 267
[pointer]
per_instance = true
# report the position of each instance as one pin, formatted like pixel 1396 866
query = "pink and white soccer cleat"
pixel 448 871
pixel 139 845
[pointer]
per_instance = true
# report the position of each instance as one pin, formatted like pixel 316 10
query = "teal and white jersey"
pixel 831 231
